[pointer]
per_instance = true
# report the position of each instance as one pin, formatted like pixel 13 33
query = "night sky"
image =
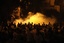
pixel 7 6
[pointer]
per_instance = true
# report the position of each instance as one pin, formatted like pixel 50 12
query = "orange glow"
pixel 39 18
pixel 18 21
pixel 16 12
pixel 35 19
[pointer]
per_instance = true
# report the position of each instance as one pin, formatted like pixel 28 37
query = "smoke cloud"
pixel 35 19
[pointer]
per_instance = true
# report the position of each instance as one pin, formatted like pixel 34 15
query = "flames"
pixel 39 18
pixel 35 19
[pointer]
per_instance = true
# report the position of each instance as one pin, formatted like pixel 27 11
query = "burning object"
pixel 34 18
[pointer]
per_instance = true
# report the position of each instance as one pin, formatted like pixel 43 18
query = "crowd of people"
pixel 28 33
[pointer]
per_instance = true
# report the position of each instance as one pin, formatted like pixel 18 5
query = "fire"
pixel 20 20
pixel 35 19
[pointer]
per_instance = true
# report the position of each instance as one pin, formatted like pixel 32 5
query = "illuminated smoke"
pixel 16 12
pixel 34 18
pixel 39 18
